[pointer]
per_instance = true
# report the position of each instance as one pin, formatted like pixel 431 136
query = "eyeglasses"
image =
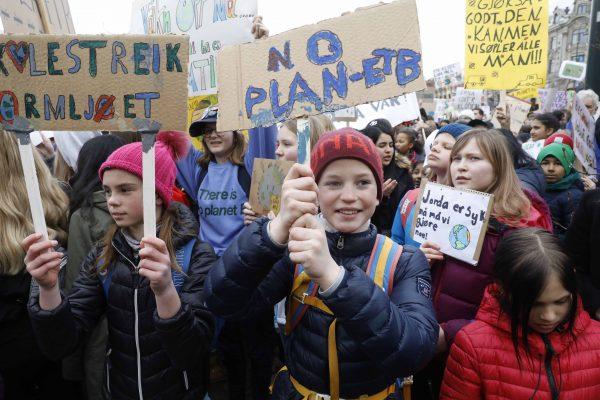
pixel 213 131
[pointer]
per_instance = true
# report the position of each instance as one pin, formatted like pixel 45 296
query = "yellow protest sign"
pixel 506 44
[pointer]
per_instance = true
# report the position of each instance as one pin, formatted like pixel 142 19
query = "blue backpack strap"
pixel 105 277
pixel 383 262
pixel 183 256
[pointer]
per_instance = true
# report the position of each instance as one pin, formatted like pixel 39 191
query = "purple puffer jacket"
pixel 458 286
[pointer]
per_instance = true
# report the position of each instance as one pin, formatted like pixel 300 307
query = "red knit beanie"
pixel 170 146
pixel 346 143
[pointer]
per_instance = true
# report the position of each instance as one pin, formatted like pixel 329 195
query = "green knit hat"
pixel 561 152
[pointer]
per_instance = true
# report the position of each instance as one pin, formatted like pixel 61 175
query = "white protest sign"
pixel 517 110
pixel 448 75
pixel 533 148
pixel 572 70
pixel 396 110
pixel 552 99
pixel 441 108
pixel 583 135
pixel 321 67
pixel 23 16
pixel 454 219
pixel 466 99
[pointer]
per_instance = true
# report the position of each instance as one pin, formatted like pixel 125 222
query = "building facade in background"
pixel 568 40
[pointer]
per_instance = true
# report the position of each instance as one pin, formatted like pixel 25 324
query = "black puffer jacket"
pixel 150 358
pixel 379 338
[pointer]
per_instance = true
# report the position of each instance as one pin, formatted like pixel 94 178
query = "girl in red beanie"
pixel 360 313
pixel 149 288
pixel 531 338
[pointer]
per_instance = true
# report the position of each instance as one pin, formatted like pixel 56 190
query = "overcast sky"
pixel 442 30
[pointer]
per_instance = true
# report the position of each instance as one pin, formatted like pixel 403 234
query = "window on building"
pixel 553 43
pixel 579 36
pixel 578 58
pixel 582 9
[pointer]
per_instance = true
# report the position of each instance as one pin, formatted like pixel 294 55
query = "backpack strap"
pixel 105 277
pixel 383 262
pixel 183 256
pixel 408 204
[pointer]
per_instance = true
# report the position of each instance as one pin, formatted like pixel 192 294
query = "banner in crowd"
pixel 94 82
pixel 583 135
pixel 267 181
pixel 210 25
pixel 506 44
pixel 322 67
pixel 454 219
pixel 441 108
pixel 552 99
pixel 23 16
pixel 466 99
pixel 396 110
pixel 447 76
pixel 572 70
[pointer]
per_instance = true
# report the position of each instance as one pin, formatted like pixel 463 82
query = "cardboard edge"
pixel 488 216
pixel 424 183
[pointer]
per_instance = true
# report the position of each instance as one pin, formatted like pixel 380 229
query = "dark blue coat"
pixel 379 338
pixel 562 204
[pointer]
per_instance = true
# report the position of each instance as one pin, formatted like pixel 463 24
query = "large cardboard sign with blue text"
pixel 94 82
pixel 454 219
pixel 371 54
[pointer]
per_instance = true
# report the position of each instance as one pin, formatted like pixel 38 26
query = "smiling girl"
pixel 530 327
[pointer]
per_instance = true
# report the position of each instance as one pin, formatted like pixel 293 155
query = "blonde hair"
pixel 319 124
pixel 62 171
pixel 510 202
pixel 15 214
pixel 166 233
pixel 236 156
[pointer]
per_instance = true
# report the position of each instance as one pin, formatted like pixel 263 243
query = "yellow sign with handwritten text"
pixel 506 44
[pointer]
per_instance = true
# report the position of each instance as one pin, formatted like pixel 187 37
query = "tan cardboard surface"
pixel 23 16
pixel 134 78
pixel 357 54
pixel 267 180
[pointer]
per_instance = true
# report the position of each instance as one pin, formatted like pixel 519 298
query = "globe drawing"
pixel 459 237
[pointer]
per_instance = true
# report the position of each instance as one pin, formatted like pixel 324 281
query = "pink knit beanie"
pixel 170 146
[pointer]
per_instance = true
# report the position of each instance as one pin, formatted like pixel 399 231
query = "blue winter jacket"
pixel 562 204
pixel 379 337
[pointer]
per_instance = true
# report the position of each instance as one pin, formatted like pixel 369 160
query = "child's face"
pixel 417 174
pixel 553 169
pixel 470 169
pixel 348 195
pixel 385 149
pixel 124 197
pixel 219 144
pixel 287 145
pixel 439 157
pixel 539 131
pixel 403 143
pixel 551 308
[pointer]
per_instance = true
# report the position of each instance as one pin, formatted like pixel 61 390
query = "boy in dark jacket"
pixel 352 338
pixel 564 188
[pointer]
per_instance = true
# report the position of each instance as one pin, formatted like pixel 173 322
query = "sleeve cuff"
pixel 329 291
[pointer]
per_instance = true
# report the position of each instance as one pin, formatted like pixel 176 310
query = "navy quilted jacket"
pixel 379 337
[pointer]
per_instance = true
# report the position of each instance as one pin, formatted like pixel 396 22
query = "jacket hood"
pixel 99 200
pixel 491 313
pixel 539 214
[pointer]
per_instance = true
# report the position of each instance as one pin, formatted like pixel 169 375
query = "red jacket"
pixel 482 362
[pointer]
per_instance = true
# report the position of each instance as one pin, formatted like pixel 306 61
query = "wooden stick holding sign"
pixel 148 129
pixel 22 128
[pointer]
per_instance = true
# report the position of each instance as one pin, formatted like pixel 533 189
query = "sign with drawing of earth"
pixel 459 237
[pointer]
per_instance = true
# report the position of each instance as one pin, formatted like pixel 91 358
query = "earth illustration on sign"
pixel 459 237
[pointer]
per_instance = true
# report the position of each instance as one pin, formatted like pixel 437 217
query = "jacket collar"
pixel 352 244
pixel 491 313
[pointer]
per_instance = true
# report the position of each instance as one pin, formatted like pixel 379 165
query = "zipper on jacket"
pixel 108 370
pixel 135 268
pixel 340 242
pixel 548 365
pixel 185 380
pixel 137 344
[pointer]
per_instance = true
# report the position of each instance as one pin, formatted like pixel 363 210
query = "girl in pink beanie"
pixel 149 288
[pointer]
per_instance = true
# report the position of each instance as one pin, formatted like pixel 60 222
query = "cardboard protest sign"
pixel 517 110
pixel 267 180
pixel 210 25
pixel 583 135
pixel 396 110
pixel 466 99
pixel 572 70
pixel 23 16
pixel 345 114
pixel 552 99
pixel 441 108
pixel 94 82
pixel 454 219
pixel 448 75
pixel 322 67
pixel 506 44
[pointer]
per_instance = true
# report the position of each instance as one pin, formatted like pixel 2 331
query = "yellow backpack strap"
pixel 304 294
pixel 383 261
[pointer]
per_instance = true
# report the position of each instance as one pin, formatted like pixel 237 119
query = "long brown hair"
pixel 15 215
pixel 236 156
pixel 510 202
pixel 166 233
